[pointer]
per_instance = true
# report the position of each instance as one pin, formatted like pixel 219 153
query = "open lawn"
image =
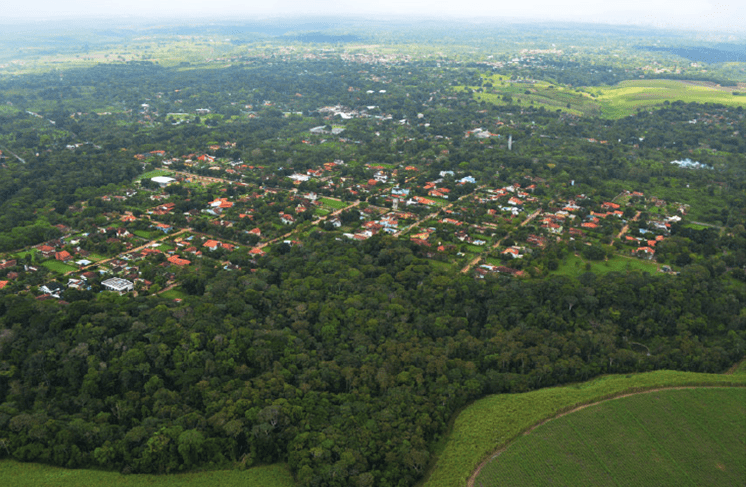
pixel 57 266
pixel 337 205
pixel 148 235
pixel 20 255
pixel 152 174
pixel 668 437
pixel 493 422
pixel 175 293
pixel 16 474
pixel 574 266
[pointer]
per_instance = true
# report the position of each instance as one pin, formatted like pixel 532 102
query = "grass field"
pixel 574 266
pixel 615 101
pixel 670 437
pixel 625 98
pixel 148 235
pixel 337 205
pixel 493 422
pixel 175 293
pixel 15 474
pixel 153 174
pixel 57 266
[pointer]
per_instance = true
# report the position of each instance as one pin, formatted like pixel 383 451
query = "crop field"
pixel 16 474
pixel 57 266
pixel 574 266
pixel 670 437
pixel 493 422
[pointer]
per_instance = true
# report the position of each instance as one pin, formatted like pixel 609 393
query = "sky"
pixel 701 15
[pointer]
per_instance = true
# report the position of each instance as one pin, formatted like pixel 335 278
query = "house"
pixel 4 264
pixel 176 260
pixel 163 227
pixel 118 285
pixel 63 256
pixel 211 244
pixel 47 251
pixel 3 284
pixel 256 251
pixel 287 219
pixel 513 252
pixel 52 288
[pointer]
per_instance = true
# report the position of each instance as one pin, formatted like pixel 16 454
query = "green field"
pixel 670 437
pixel 57 266
pixel 337 205
pixel 625 98
pixel 16 474
pixel 537 93
pixel 616 101
pixel 153 174
pixel 148 235
pixel 175 293
pixel 574 266
pixel 493 422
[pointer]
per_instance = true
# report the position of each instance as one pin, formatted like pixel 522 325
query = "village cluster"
pixel 149 233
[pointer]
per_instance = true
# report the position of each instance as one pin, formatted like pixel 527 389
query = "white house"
pixel 119 285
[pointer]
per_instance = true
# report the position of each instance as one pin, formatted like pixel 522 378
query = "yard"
pixel 57 266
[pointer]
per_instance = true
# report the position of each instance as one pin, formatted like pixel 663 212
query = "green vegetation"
pixel 153 174
pixel 670 437
pixel 492 423
pixel 347 358
pixel 629 96
pixel 58 266
pixel 335 204
pixel 16 474
pixel 574 266
pixel 175 293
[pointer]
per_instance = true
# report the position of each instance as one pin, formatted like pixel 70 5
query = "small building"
pixel 118 285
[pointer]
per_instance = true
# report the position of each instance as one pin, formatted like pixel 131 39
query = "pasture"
pixel 617 101
pixel 495 421
pixel 16 474
pixel 669 437
pixel 628 96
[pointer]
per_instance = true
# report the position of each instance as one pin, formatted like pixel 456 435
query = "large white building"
pixel 118 285
pixel 162 181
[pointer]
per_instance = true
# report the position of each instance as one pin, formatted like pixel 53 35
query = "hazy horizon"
pixel 703 16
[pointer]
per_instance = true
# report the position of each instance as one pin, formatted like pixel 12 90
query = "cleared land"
pixel 493 422
pixel 669 437
pixel 15 474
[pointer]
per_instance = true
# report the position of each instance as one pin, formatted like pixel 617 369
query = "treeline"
pixel 347 361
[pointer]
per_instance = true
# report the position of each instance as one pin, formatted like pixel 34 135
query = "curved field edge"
pixel 17 474
pixel 490 424
pixel 670 436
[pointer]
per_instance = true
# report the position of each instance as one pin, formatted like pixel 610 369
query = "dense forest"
pixel 346 359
